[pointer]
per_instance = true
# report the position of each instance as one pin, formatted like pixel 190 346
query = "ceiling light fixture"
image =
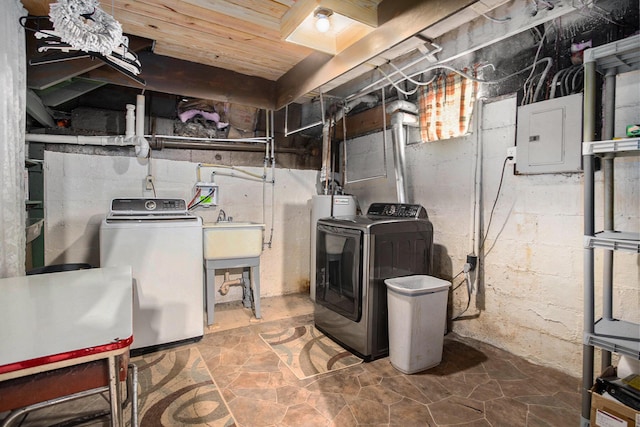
pixel 322 19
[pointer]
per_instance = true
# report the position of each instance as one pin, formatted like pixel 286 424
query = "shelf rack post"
pixel 588 132
pixel 608 333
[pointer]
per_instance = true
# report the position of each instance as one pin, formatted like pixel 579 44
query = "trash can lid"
pixel 416 285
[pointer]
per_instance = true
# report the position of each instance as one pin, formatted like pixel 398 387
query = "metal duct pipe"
pixel 400 118
pixel 162 143
pixel 401 105
pixel 325 171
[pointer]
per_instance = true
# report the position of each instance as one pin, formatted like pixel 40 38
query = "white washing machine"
pixel 162 242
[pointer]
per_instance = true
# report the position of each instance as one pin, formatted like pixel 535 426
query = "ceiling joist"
pixel 183 78
pixel 403 19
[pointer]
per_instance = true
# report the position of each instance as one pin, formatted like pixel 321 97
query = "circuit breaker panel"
pixel 549 136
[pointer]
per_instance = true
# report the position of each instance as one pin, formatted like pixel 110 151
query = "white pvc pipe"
pixel 79 139
pixel 474 196
pixel 475 223
pixel 140 115
pixel 478 184
pixel 130 120
pixel 142 145
pixel 129 139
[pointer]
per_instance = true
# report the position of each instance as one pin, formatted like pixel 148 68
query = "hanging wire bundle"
pixel 85 26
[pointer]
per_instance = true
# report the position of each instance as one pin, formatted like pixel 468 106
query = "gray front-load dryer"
pixel 354 255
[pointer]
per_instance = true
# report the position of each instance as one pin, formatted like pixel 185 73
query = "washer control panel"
pixel 397 210
pixel 142 206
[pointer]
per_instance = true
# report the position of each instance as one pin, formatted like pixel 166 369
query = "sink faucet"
pixel 222 216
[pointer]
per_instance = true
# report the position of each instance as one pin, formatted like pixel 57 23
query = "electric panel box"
pixel 549 136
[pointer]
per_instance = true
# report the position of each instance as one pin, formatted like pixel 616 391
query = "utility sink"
pixel 232 239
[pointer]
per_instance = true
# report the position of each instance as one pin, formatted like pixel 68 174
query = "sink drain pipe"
pixel 224 288
pixel 247 296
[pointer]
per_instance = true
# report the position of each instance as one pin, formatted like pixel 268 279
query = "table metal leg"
pixel 16 413
pixel 132 391
pixel 115 398
pixel 210 277
pixel 247 296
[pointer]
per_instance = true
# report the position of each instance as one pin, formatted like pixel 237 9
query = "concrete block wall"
pixel 530 298
pixel 79 188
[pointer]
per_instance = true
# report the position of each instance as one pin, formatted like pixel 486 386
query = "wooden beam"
pixel 37 7
pixel 37 110
pixel 68 90
pixel 363 12
pixel 364 123
pixel 404 18
pixel 458 40
pixel 183 78
pixel 295 15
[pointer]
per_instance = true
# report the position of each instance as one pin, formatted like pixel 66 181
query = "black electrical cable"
pixel 456 276
pixel 466 278
pixel 202 199
pixel 495 202
pixel 153 187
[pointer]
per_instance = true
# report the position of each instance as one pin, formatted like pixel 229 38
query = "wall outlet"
pixel 148 182
pixel 511 152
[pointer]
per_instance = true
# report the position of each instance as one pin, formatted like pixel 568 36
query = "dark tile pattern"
pixel 476 385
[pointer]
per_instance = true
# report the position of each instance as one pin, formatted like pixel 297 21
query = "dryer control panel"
pixel 397 210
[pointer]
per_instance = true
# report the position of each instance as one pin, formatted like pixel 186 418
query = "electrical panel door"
pixel 549 136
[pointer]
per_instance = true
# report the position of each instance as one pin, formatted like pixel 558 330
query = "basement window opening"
pixel 446 106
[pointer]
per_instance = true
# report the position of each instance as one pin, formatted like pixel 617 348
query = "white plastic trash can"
pixel 417 317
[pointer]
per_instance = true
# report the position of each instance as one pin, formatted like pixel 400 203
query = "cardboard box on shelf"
pixel 607 412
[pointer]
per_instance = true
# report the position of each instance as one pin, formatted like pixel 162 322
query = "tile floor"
pixel 476 385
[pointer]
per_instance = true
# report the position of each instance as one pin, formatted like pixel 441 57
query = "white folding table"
pixel 51 324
